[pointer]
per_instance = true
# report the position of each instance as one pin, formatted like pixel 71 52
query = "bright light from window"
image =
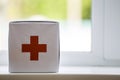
pixel 74 17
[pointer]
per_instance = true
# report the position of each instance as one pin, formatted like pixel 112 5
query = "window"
pixel 81 33
pixel 74 17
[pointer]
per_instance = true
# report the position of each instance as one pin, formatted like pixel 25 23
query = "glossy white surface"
pixel 73 70
pixel 66 73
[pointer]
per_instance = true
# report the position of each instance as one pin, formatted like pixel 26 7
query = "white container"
pixel 34 46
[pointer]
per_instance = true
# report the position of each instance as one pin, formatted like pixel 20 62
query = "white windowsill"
pixel 73 70
pixel 66 73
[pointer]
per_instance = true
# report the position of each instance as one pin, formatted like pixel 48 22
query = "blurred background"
pixel 74 17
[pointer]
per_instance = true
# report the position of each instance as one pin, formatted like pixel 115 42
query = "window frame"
pixel 96 56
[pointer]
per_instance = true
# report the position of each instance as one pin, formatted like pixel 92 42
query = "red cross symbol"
pixel 34 48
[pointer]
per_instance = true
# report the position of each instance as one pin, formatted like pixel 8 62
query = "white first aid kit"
pixel 34 46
